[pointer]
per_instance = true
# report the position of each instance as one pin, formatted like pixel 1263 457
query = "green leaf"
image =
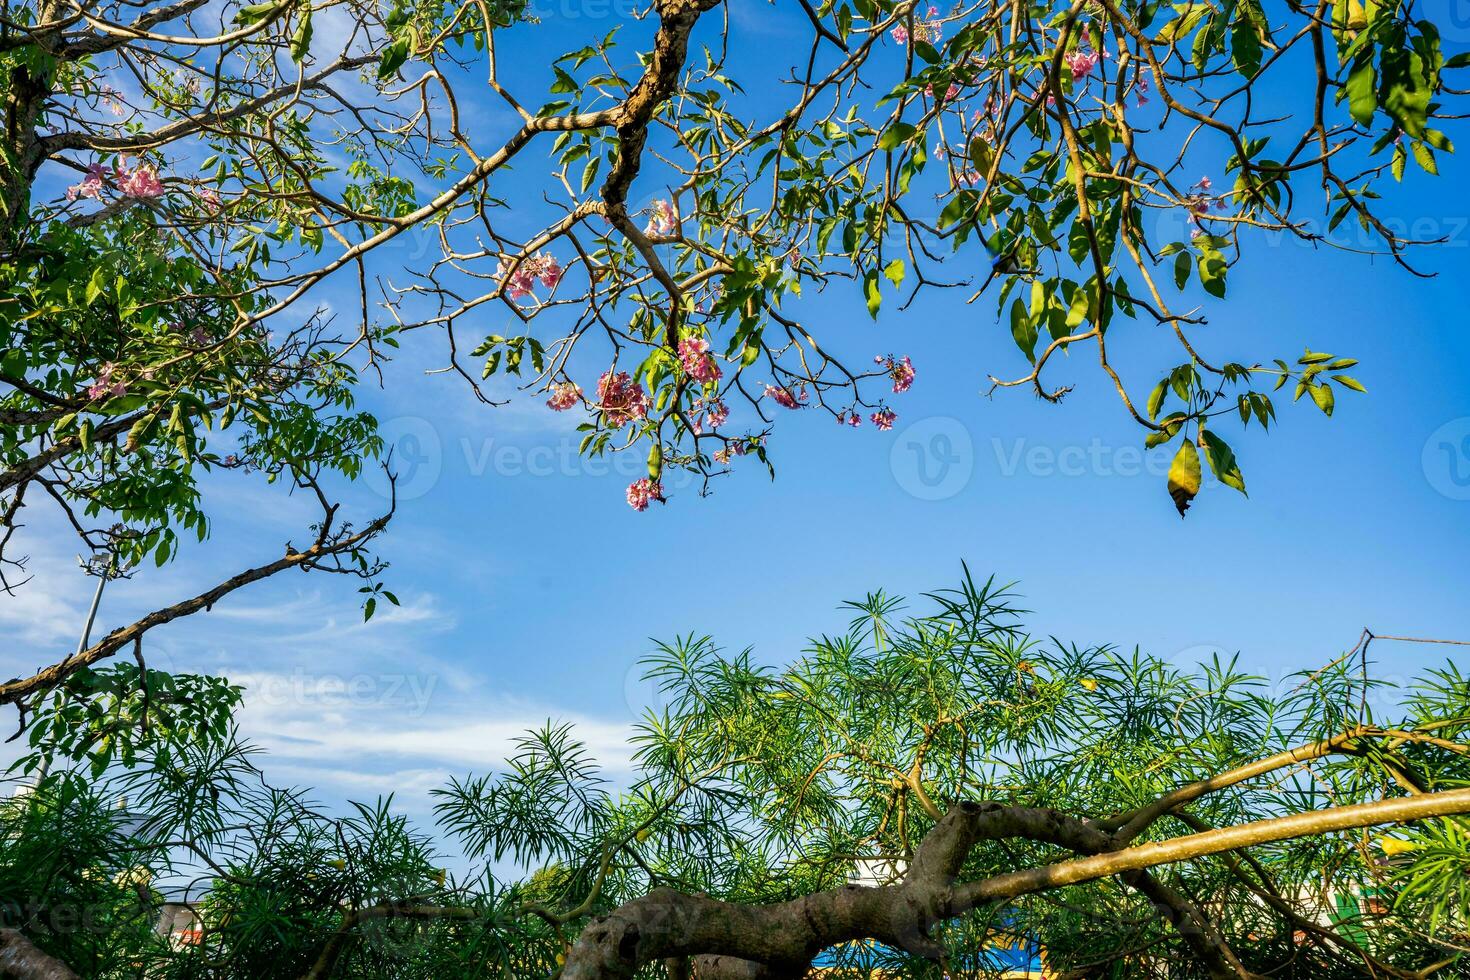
pixel 1222 461
pixel 894 135
pixel 301 39
pixel 1023 330
pixel 1424 156
pixel 1349 382
pixel 394 56
pixel 1245 45
pixel 1156 398
pixel 1182 264
pixel 1212 271
pixel 1322 395
pixel 1361 89
pixel 255 12
pixel 895 272
pixel 95 285
pixel 1184 476
pixel 872 292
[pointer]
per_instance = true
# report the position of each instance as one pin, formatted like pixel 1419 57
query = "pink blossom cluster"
pixel 106 385
pixel 900 369
pixel 851 418
pixel 112 98
pixel 141 182
pixel 716 413
pixel 1142 88
pixel 662 219
pixel 564 395
pixel 698 363
pixel 209 197
pixel 712 413
pixel 640 492
pixel 90 185
pixel 520 283
pixel 1083 62
pixel 950 93
pixel 738 447
pixel 925 30
pixel 621 399
pixel 884 419
pixel 784 397
pixel 1199 200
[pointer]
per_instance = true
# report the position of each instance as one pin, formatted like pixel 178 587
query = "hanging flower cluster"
pixel 884 419
pixel 662 219
pixel 712 413
pixel 640 492
pixel 698 363
pixel 564 395
pixel 784 396
pixel 1200 200
pixel 737 448
pixel 140 182
pixel 621 399
pixel 520 283
pixel 900 369
pixel 1083 62
pixel 106 385
pixel 929 30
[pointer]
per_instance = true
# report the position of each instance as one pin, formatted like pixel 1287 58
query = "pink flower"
pixel 715 412
pixel 621 399
pixel 900 34
pixel 564 395
pixel 208 197
pixel 901 370
pixel 90 185
pixel 884 419
pixel 784 397
pixel 662 219
pixel 142 182
pixel 112 98
pixel 853 419
pixel 520 283
pixel 640 492
pixel 1205 184
pixel 1081 63
pixel 698 364
pixel 105 385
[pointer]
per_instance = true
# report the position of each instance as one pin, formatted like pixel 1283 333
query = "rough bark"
pixel 21 959
pixel 781 939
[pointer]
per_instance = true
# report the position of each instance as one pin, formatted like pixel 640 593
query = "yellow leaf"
pixel 1184 476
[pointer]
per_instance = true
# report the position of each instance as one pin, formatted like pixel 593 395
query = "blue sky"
pixel 530 589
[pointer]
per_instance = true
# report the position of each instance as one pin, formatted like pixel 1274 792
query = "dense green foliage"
pixel 760 784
